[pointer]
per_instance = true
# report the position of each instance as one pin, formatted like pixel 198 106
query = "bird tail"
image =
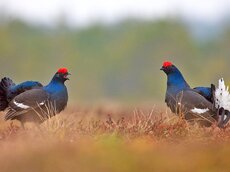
pixel 222 96
pixel 5 84
pixel 213 96
pixel 221 102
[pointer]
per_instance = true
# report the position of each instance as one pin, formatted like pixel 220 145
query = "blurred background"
pixel 115 48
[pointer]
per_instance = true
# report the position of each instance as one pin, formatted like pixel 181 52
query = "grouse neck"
pixel 55 85
pixel 176 79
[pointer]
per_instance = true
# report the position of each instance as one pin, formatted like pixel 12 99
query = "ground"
pixel 113 139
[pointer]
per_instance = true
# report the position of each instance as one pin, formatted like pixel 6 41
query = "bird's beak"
pixel 66 76
pixel 162 68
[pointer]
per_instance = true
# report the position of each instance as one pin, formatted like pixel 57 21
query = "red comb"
pixel 62 70
pixel 167 64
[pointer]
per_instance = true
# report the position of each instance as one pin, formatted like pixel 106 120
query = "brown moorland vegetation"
pixel 104 139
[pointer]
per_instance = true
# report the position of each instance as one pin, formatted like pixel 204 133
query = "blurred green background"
pixel 118 63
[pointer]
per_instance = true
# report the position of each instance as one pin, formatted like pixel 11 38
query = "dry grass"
pixel 113 139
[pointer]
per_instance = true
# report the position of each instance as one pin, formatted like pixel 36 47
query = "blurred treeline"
pixel 119 62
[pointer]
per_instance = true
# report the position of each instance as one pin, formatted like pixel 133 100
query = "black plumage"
pixel 9 90
pixel 39 104
pixel 183 100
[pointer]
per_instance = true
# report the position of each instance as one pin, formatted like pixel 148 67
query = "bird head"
pixel 168 67
pixel 174 76
pixel 62 74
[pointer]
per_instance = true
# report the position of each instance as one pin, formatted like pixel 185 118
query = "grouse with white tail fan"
pixel 39 104
pixel 183 100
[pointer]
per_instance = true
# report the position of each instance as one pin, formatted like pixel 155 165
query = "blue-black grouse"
pixel 40 102
pixel 184 100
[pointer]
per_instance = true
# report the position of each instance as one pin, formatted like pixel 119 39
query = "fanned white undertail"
pixel 222 96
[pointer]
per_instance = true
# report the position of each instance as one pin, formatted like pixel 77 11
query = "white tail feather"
pixel 222 96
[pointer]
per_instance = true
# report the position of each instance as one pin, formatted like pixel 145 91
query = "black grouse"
pixel 39 104
pixel 183 100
